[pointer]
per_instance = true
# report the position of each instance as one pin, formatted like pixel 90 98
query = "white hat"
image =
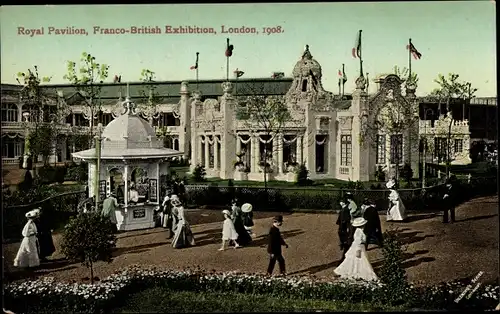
pixel 390 184
pixel 175 199
pixel 32 213
pixel 358 222
pixel 226 212
pixel 246 208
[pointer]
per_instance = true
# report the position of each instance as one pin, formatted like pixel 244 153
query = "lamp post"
pixel 98 164
pixel 26 116
pixel 425 144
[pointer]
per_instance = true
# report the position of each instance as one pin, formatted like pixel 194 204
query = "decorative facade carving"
pixel 345 123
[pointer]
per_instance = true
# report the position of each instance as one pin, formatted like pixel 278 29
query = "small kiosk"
pixel 131 156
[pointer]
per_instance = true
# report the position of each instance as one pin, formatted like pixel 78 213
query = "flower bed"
pixel 45 295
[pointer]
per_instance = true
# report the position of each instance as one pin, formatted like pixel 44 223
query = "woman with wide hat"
pixel 183 236
pixel 27 255
pixel 247 216
pixel 243 237
pixel 396 211
pixel 356 263
pixel 229 234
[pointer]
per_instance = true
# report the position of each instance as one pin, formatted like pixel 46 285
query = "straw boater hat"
pixel 390 184
pixel 246 208
pixel 226 212
pixel 358 222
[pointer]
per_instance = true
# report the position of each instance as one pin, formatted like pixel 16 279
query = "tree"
pixel 266 114
pixel 450 89
pixel 149 97
pixel 87 80
pixel 88 238
pixel 404 75
pixel 44 115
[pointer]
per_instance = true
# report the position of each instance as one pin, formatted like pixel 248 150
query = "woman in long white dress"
pixel 27 255
pixel 356 264
pixel 229 233
pixel 183 236
pixel 396 211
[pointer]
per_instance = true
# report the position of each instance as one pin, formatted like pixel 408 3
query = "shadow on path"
pixel 420 217
pixel 476 218
pixel 137 249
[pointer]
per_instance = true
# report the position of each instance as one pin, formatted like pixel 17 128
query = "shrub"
pixel 60 173
pixel 354 185
pixel 88 238
pixel 77 172
pixel 199 173
pixel 27 183
pixel 406 172
pixel 49 296
pixel 303 175
pixel 46 175
pixel 393 275
pixel 380 174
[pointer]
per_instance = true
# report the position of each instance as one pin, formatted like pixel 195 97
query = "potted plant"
pixel 239 166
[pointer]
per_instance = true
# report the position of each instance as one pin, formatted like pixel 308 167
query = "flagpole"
pixel 227 60
pixel 197 67
pixel 339 87
pixel 360 56
pixel 409 59
pixel 367 82
pixel 343 82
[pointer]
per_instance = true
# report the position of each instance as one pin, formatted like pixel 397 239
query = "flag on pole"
pixel 356 51
pixel 417 55
pixel 344 77
pixel 195 66
pixel 117 79
pixel 229 49
pixel 238 73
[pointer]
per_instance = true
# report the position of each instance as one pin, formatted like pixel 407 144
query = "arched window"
pixel 10 113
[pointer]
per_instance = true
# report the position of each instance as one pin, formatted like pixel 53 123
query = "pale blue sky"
pixel 454 37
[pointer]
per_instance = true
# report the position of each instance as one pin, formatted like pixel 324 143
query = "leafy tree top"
pixel 451 88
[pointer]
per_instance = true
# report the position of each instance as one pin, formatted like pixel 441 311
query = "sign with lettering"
pixel 102 189
pixel 153 190
pixel 139 213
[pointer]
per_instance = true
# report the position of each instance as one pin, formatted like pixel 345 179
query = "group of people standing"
pixel 37 243
pixel 237 226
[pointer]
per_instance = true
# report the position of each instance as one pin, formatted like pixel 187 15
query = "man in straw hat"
pixel 275 241
pixel 27 255
pixel 109 207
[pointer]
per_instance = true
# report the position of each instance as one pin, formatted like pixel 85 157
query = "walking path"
pixel 436 251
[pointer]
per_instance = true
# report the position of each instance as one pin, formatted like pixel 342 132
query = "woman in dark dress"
pixel 243 237
pixel 44 235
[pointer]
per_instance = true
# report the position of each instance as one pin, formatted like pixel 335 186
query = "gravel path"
pixel 436 252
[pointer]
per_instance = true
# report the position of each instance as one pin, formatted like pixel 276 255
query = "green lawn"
pixel 160 300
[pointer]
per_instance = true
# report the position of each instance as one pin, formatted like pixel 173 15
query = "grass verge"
pixel 161 300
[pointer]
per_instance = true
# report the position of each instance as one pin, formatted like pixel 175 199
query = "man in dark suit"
pixel 449 199
pixel 274 246
pixel 373 229
pixel 345 228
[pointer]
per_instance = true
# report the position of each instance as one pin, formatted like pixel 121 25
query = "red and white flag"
pixel 417 55
pixel 194 67
pixel 356 50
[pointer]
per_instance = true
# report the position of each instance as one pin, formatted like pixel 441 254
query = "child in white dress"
pixel 228 231
pixel 356 264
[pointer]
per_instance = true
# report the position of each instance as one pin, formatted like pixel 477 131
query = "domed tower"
pixel 306 83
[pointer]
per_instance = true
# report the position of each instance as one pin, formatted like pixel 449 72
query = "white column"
pixel 279 139
pixel 125 193
pixel 238 144
pixel 216 153
pixel 158 183
pixel 199 152
pixel 255 153
pixel 74 119
pixel 19 112
pixel 299 149
pixel 207 153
